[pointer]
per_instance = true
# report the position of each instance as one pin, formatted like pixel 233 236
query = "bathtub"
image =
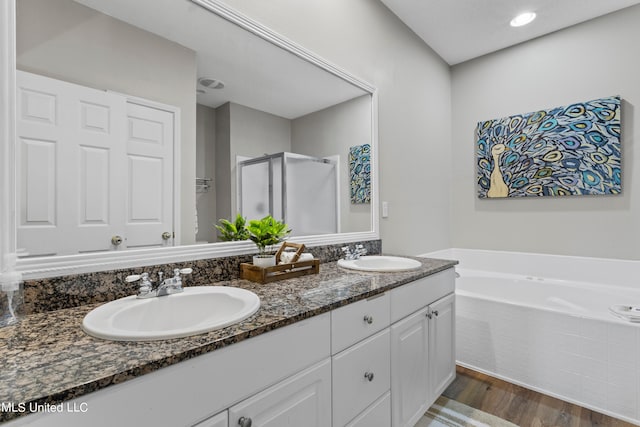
pixel 542 321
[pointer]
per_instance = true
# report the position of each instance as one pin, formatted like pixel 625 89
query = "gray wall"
pixel 243 131
pixel 67 41
pixel 205 168
pixel 223 176
pixel 414 121
pixel 253 134
pixel 333 131
pixel 591 60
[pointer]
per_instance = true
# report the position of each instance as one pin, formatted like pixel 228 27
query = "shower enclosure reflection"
pixel 301 190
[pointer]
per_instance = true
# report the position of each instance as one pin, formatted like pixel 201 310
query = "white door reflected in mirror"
pixel 93 165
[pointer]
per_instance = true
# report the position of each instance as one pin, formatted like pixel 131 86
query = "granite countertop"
pixel 47 358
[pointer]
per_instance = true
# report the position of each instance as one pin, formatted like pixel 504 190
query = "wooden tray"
pixel 278 272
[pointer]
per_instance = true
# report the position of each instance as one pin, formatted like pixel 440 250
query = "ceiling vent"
pixel 210 83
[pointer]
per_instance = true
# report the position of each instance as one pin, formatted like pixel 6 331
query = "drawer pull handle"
pixel 368 319
pixel 244 422
pixel 368 376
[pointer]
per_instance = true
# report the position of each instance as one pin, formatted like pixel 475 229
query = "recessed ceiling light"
pixel 523 19
pixel 211 83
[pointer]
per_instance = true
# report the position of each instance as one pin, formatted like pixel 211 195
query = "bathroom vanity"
pixel 342 348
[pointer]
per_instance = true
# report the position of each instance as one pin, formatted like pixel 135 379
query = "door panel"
pixel 74 145
pixel 66 151
pixel 442 344
pixel 150 136
pixel 409 369
pixel 302 400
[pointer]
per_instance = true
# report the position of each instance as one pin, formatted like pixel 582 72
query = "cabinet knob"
pixel 116 240
pixel 244 422
pixel 368 376
pixel 429 315
pixel 166 235
pixel 368 319
pixel 435 312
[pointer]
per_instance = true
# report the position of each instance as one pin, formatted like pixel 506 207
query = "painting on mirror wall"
pixel 360 173
pixel 563 151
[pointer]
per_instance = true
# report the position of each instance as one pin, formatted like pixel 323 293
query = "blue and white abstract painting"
pixel 570 150
pixel 360 173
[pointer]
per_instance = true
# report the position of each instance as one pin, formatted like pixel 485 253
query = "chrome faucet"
pixel 355 254
pixel 149 289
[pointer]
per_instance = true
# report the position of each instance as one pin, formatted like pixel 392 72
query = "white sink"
pixel 380 263
pixel 197 310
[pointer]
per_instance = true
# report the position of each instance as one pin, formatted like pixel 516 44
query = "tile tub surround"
pixel 72 291
pixel 48 358
pixel 543 322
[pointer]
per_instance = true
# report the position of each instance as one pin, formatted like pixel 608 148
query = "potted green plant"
pixel 230 231
pixel 265 233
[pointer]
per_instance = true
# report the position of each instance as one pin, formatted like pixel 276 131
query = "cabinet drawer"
pixel 376 415
pixel 354 322
pixel 413 296
pixel 361 374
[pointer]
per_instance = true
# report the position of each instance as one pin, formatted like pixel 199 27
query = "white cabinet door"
pixel 442 341
pixel 409 369
pixel 219 420
pixel 301 400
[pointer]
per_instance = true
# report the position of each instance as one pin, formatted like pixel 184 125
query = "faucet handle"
pixel 132 278
pixel 177 272
pixel 145 285
pixel 177 277
pixel 145 279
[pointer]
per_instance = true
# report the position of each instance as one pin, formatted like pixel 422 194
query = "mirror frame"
pixel 37 268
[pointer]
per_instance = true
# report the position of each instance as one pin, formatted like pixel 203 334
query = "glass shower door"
pixel 311 195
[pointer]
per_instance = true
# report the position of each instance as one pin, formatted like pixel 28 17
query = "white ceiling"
pixel 459 30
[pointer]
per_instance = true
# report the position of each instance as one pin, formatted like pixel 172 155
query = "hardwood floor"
pixel 522 406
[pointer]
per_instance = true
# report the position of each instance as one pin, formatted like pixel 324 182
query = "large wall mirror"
pixel 139 124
